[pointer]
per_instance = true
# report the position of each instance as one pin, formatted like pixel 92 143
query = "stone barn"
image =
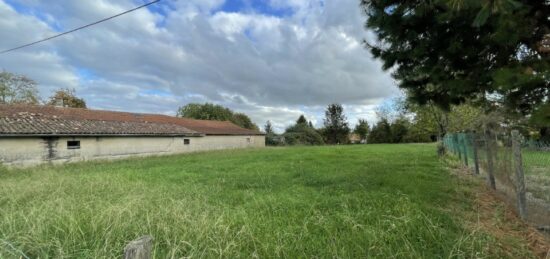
pixel 32 135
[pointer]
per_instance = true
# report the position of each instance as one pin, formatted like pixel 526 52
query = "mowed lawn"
pixel 332 201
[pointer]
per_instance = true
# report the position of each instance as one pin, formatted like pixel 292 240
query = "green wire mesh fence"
pixel 512 165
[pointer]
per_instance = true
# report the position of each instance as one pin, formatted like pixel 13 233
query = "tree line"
pixel 335 130
pixel 399 122
pixel 405 122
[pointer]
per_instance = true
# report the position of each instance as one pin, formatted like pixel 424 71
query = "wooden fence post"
pixel 476 158
pixel 520 179
pixel 490 163
pixel 139 249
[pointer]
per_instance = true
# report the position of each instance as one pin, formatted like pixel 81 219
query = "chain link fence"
pixel 517 168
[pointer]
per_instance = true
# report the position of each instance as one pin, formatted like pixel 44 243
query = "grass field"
pixel 536 162
pixel 347 201
pixel 537 173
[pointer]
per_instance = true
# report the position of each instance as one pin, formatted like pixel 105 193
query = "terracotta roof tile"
pixel 50 120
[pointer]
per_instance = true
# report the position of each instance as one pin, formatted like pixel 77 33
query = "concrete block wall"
pixel 27 151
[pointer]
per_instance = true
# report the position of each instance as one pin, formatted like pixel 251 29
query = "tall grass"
pixel 345 201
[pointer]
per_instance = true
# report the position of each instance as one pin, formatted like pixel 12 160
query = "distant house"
pixel 37 134
pixel 356 139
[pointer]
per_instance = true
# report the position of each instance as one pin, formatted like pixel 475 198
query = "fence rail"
pixel 511 165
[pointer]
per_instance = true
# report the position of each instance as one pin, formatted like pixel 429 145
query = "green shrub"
pixel 272 139
pixel 305 136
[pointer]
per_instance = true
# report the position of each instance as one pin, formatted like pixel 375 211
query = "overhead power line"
pixel 80 28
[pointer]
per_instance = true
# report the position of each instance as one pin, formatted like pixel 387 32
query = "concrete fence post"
pixel 520 179
pixel 465 148
pixel 474 147
pixel 489 145
pixel 139 249
pixel 457 146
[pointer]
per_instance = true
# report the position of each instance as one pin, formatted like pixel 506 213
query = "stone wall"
pixel 26 151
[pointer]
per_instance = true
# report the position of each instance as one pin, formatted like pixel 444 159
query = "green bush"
pixel 272 139
pixel 303 136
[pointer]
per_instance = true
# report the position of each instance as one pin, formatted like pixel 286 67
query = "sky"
pixel 272 59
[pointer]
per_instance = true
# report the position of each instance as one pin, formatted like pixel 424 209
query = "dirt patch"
pixel 499 219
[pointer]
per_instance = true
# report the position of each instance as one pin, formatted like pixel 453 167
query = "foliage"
pixel 268 128
pixel 271 138
pixel 362 129
pixel 301 120
pixel 429 121
pixel 302 134
pixel 423 123
pixel 464 118
pixel 16 88
pixel 209 111
pixel 399 129
pixel 336 130
pixel 541 119
pixel 244 121
pixel 301 202
pixel 307 136
pixel 380 132
pixel 482 53
pixel 68 98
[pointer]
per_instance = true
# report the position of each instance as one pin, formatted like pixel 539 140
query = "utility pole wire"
pixel 80 28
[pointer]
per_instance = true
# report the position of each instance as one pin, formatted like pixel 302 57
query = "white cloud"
pixel 272 68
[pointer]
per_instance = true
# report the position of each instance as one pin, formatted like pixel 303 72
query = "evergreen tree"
pixel 271 139
pixel 362 129
pixel 336 129
pixel 268 128
pixel 301 120
pixel 448 52
pixel 399 130
pixel 380 132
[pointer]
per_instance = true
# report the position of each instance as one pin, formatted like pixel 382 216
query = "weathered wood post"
pixel 474 147
pixel 520 179
pixel 489 140
pixel 139 249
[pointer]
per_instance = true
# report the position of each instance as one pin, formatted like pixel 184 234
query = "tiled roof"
pixel 50 120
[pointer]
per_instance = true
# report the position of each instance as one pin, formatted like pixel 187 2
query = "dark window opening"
pixel 186 141
pixel 247 140
pixel 73 144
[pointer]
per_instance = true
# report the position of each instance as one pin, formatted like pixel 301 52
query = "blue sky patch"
pixel 86 74
pixel 256 6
